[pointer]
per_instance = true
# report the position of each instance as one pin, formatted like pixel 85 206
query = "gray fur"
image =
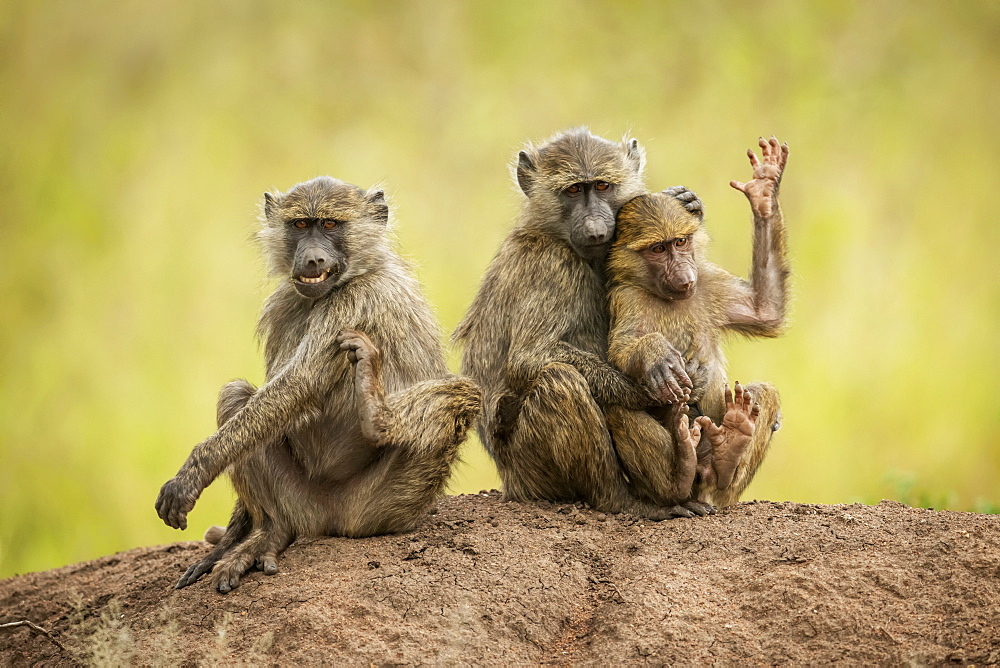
pixel 299 449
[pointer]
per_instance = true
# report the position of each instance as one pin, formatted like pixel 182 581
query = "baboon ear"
pixel 270 204
pixel 636 154
pixel 525 171
pixel 380 210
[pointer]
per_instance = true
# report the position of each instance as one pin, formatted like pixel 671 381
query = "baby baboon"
pixel 536 334
pixel 351 444
pixel 664 294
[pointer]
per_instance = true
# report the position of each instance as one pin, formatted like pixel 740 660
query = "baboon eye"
pixel 329 223
pixel 680 242
pixel 300 223
pixel 573 189
pixel 658 248
pixel 601 185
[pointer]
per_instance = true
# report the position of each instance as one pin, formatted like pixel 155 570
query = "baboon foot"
pixel 195 571
pixel 661 513
pixel 227 573
pixel 257 551
pixel 700 508
pixel 730 439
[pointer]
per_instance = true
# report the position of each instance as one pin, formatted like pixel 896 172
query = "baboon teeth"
pixel 318 279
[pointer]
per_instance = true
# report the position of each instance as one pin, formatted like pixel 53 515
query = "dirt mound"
pixel 489 582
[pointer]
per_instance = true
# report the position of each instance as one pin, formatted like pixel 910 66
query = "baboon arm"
pixel 643 353
pixel 757 307
pixel 608 386
pixel 266 416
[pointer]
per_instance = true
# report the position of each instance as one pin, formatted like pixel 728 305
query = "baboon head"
pixel 322 233
pixel 575 184
pixel 658 247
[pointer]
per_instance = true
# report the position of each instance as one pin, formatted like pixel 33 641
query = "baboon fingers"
pixel 742 187
pixel 172 506
pixel 775 147
pixel 754 162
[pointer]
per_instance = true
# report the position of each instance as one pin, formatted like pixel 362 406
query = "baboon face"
pixel 672 267
pixel 580 181
pixel 587 206
pixel 658 246
pixel 313 233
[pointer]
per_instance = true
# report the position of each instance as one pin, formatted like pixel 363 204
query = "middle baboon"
pixel 536 334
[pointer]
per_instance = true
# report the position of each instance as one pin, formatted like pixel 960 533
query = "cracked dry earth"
pixel 484 581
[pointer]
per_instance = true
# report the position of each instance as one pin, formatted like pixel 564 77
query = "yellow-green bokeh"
pixel 136 139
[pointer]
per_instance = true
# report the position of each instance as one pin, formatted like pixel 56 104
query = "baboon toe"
pixel 227 583
pixel 268 563
pixel 678 511
pixel 194 573
pixel 227 578
pixel 700 508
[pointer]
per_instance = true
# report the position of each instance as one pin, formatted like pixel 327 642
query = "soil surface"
pixel 484 581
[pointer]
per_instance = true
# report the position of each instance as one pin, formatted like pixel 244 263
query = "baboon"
pixel 536 334
pixel 346 444
pixel 665 296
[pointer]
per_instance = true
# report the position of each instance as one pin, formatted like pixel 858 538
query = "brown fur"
pixel 536 335
pixel 643 322
pixel 350 444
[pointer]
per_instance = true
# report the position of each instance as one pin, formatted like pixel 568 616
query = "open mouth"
pixel 311 280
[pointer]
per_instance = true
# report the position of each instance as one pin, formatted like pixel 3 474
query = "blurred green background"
pixel 136 139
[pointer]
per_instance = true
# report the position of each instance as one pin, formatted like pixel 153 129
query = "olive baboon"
pixel 664 296
pixel 536 334
pixel 350 444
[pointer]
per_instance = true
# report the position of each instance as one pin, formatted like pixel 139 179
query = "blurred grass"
pixel 137 138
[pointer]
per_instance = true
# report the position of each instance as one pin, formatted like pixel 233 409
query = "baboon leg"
pixel 661 469
pixel 559 448
pixel 767 423
pixel 239 527
pixel 261 547
pixel 428 423
pixel 233 396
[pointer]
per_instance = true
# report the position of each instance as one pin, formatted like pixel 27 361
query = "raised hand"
pixel 762 189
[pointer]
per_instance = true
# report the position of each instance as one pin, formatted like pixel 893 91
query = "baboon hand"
pixel 176 499
pixel 699 375
pixel 689 199
pixel 667 378
pixel 358 346
pixel 767 171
